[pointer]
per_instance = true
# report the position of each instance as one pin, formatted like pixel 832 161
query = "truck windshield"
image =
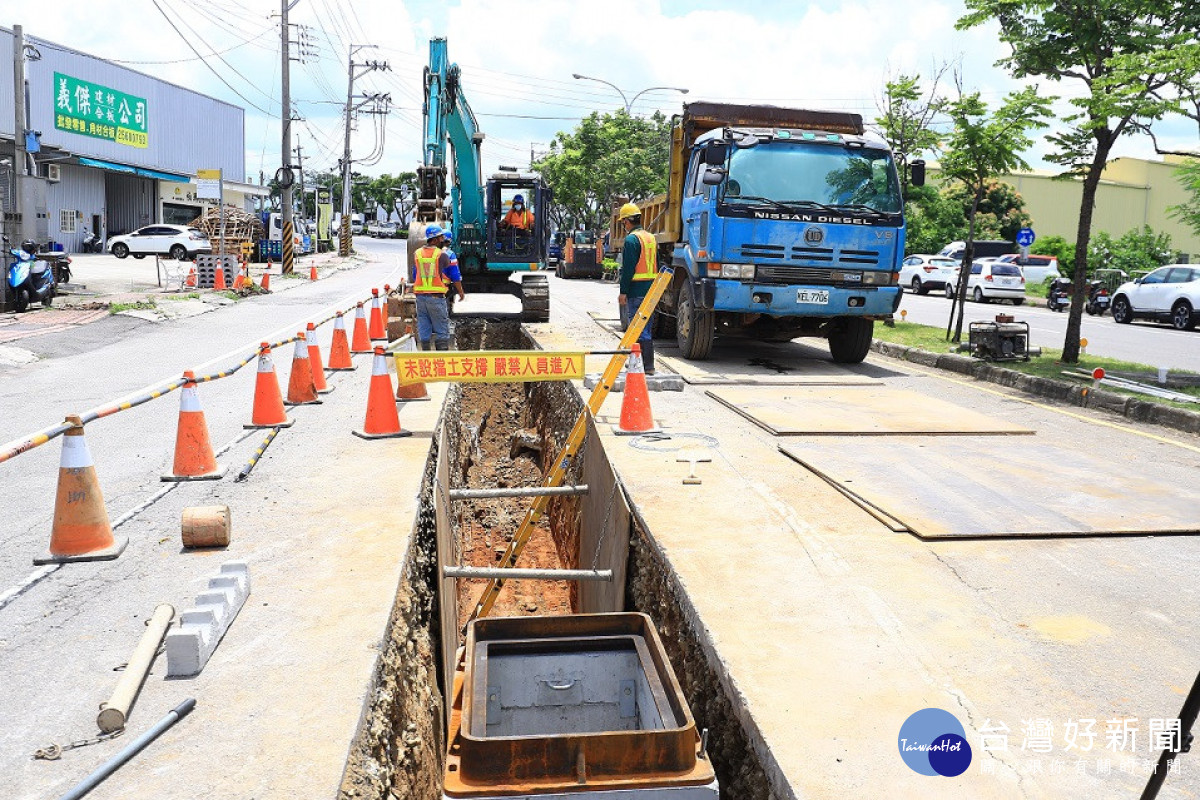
pixel 803 173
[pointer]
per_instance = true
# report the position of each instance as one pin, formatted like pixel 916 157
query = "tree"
pixel 979 147
pixel 1188 212
pixel 606 156
pixel 1055 246
pixel 392 193
pixel 932 220
pixel 906 117
pixel 1137 250
pixel 1001 211
pixel 1124 54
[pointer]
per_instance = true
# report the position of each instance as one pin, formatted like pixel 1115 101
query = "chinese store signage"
pixel 90 109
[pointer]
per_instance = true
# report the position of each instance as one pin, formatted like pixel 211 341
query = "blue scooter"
pixel 30 278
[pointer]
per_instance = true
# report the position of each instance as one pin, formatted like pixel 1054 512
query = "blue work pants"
pixel 433 321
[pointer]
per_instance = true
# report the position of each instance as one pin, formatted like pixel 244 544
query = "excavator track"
pixel 535 298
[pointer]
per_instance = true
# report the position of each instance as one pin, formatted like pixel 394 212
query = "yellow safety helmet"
pixel 629 210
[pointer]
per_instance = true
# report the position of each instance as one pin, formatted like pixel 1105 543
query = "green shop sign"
pixel 90 109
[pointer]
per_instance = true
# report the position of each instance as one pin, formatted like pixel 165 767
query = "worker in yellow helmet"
pixel 639 265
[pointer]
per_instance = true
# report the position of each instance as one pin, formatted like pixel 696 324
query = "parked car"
pixel 993 280
pixel 1036 269
pixel 387 230
pixel 922 273
pixel 176 241
pixel 1168 294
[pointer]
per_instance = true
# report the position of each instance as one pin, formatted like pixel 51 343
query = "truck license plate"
pixel 812 296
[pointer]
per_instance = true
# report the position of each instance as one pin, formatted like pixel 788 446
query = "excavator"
pixel 489 250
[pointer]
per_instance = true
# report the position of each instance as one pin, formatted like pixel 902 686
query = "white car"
pixel 993 280
pixel 176 241
pixel 923 272
pixel 1168 294
pixel 1036 269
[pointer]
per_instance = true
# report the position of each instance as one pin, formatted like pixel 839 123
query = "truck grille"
pixel 781 274
pixel 858 257
pixel 763 251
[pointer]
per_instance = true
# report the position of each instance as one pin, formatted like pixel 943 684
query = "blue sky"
pixel 518 57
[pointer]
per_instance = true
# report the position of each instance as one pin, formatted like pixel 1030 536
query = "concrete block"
pixel 662 382
pixel 200 629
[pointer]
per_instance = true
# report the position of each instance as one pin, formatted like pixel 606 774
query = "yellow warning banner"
pixel 488 366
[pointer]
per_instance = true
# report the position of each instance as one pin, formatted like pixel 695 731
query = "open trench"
pixel 505 435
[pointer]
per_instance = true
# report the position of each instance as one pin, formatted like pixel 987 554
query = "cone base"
pixel 618 431
pixel 107 554
pixel 305 403
pixel 361 352
pixel 424 399
pixel 326 390
pixel 216 475
pixel 289 422
pixel 341 369
pixel 397 435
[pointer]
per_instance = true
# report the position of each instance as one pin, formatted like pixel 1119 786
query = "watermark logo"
pixel 933 742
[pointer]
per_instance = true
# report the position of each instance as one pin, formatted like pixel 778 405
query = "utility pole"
pixel 285 35
pixel 366 66
pixel 15 223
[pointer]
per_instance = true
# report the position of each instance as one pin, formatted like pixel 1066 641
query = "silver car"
pixel 177 241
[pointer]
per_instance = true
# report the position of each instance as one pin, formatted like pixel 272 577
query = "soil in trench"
pixel 491 415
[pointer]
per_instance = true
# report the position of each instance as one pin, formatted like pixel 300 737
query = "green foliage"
pixel 138 305
pixel 905 115
pixel 1135 250
pixel 1055 246
pixel 1001 211
pixel 606 156
pixel 1188 212
pixel 392 193
pixel 933 220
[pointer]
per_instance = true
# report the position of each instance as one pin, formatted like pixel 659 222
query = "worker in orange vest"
pixel 518 217
pixel 432 275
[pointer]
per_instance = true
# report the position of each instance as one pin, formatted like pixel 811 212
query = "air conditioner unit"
pixel 53 173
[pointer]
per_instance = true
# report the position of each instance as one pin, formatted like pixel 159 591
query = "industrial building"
pixel 110 149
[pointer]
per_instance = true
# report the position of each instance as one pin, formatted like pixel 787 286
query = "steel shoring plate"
pixel 745 362
pixel 979 487
pixel 860 411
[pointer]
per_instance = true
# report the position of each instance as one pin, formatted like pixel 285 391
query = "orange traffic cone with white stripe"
pixel 314 360
pixel 301 388
pixel 219 277
pixel 383 420
pixel 81 529
pixel 266 280
pixel 190 283
pixel 362 340
pixel 377 331
pixel 194 457
pixel 410 391
pixel 636 418
pixel 339 351
pixel 268 402
pixel 240 279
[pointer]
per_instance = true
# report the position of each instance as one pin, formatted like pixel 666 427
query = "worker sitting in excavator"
pixel 518 218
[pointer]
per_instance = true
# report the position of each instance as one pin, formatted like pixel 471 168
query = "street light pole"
pixel 628 103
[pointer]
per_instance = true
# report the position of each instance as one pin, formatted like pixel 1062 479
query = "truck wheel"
pixel 695 327
pixel 850 339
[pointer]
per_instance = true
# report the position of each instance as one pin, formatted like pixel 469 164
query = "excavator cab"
pixel 517 232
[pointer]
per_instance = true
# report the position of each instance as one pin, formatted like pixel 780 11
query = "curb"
pixel 1069 393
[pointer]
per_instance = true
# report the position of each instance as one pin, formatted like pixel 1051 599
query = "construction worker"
pixel 432 275
pixel 518 217
pixel 639 265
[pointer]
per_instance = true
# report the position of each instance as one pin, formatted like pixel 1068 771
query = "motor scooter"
pixel 1098 299
pixel 1059 296
pixel 92 243
pixel 30 278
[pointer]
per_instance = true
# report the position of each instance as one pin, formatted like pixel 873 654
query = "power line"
pixel 222 59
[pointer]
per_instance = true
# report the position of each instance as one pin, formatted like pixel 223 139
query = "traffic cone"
pixel 190 283
pixel 410 391
pixel 266 282
pixel 376 330
pixel 383 308
pixel 194 459
pixel 339 351
pixel 81 529
pixel 635 402
pixel 219 278
pixel 314 360
pixel 312 272
pixel 361 342
pixel 268 402
pixel 301 389
pixel 239 280
pixel 383 420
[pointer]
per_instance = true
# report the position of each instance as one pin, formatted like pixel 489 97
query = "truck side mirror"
pixel 917 170
pixel 715 153
pixel 712 176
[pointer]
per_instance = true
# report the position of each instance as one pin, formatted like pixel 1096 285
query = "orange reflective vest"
pixel 428 279
pixel 647 265
pixel 522 219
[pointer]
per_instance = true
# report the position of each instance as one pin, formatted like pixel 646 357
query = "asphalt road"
pixel 1152 343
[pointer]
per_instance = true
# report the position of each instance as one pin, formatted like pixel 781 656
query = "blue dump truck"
pixel 780 223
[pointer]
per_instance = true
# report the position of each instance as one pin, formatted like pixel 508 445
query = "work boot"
pixel 648 359
pixel 442 344
pixel 424 345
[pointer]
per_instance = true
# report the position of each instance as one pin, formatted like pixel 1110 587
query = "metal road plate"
pixel 978 486
pixel 858 411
